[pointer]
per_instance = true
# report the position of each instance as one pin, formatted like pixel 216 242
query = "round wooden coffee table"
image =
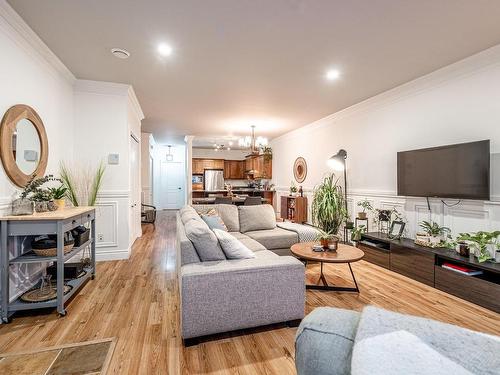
pixel 344 254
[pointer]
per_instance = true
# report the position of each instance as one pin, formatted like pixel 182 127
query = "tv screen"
pixel 459 171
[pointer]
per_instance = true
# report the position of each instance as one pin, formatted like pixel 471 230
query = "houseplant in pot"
pixel 58 194
pixel 366 206
pixel 326 239
pixel 483 244
pixel 357 233
pixel 293 188
pixel 328 207
pixel 432 234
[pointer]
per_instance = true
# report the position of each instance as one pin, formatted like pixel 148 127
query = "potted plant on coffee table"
pixel 328 207
pixel 327 240
pixel 366 206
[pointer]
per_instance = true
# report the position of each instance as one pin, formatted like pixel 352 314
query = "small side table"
pixel 362 220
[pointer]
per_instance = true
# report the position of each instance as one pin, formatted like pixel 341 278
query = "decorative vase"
pixel 362 215
pixel 22 207
pixel 333 244
pixel 51 206
pixel 324 243
pixel 61 203
pixel 41 207
pixel 463 249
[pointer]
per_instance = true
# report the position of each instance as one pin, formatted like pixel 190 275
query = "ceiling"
pixel 262 62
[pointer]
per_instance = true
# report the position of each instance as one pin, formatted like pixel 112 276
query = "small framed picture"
pixel 396 231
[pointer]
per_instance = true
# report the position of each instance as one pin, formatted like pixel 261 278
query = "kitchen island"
pixel 207 197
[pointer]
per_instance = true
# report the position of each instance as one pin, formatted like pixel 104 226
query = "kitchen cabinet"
pixel 234 169
pixel 260 166
pixel 199 165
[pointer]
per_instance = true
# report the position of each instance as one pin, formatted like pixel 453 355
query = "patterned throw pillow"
pixel 213 220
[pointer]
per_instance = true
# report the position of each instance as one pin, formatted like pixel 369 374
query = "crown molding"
pixel 464 68
pixel 134 102
pixel 20 32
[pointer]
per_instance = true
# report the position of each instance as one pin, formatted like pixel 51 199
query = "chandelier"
pixel 252 142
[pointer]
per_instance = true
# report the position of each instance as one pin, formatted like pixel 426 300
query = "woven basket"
pixel 52 252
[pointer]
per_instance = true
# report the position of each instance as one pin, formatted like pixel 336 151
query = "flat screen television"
pixel 460 171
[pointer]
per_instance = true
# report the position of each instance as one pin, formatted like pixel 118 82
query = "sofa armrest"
pixel 235 294
pixel 325 340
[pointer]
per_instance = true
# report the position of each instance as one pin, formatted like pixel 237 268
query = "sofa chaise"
pixel 332 341
pixel 230 294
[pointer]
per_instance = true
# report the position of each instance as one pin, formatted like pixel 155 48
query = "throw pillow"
pixel 204 240
pixel 233 248
pixel 259 217
pixel 214 222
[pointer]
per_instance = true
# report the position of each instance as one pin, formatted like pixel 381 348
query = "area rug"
pixel 83 358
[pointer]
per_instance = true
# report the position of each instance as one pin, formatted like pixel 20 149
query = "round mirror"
pixel 23 144
pixel 26 146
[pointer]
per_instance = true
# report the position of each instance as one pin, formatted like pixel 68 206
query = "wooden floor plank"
pixel 137 302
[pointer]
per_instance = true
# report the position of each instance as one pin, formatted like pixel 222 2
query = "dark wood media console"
pixel 425 265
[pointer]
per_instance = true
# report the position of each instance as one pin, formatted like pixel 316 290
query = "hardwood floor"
pixel 136 301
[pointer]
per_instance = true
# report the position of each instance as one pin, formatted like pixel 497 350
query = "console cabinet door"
pixel 414 263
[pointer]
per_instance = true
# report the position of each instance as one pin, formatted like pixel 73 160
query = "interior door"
pixel 135 187
pixel 171 185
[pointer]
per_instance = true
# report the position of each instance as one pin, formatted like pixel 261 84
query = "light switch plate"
pixel 114 159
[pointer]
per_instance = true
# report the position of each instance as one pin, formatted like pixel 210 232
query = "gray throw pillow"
pixel 258 217
pixel 214 222
pixel 232 247
pixel 204 240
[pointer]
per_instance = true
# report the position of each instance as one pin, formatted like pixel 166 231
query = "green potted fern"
pixel 328 207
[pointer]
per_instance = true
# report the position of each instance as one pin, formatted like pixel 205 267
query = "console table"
pixel 14 229
pixel 424 264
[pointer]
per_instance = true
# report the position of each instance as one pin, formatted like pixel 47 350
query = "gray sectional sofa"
pixel 333 341
pixel 222 295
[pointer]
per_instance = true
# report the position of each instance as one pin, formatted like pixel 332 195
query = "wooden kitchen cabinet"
pixel 233 169
pixel 261 167
pixel 199 165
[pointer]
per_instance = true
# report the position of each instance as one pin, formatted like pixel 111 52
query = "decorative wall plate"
pixel 300 169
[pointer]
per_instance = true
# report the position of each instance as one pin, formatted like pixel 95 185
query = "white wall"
pixel 30 74
pixel 104 122
pixel 147 145
pixel 459 103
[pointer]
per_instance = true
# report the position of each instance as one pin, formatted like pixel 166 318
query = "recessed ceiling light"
pixel 120 53
pixel 164 49
pixel 332 74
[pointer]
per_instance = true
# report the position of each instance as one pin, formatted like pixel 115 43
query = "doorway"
pixel 135 189
pixel 172 185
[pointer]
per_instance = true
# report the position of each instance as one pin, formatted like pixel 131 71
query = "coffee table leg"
pixel 326 286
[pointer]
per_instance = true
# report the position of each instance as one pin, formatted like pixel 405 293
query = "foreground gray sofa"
pixel 375 341
pixel 227 295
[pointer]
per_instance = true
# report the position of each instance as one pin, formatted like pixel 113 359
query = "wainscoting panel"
pixel 106 219
pixel 467 216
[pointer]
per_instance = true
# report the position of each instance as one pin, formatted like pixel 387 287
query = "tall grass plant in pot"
pixel 328 206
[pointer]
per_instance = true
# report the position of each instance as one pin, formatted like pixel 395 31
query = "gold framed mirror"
pixel 24 148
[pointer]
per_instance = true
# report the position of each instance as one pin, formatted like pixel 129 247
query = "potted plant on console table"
pixel 432 235
pixel 328 206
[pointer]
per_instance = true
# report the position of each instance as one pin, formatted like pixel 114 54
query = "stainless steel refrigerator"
pixel 213 179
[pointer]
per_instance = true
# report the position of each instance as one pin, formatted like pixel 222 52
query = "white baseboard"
pixel 112 255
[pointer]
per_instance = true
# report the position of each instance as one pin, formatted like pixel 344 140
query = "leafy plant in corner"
pixel 481 241
pixel 328 205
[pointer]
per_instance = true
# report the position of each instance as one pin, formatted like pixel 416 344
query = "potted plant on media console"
pixel 366 206
pixel 328 206
pixel 484 244
pixel 433 234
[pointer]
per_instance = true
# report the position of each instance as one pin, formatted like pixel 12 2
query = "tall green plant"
pixel 328 205
pixel 82 183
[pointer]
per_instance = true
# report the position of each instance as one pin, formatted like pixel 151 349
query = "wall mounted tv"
pixel 460 171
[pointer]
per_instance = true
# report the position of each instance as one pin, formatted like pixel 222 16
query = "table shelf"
pixel 31 257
